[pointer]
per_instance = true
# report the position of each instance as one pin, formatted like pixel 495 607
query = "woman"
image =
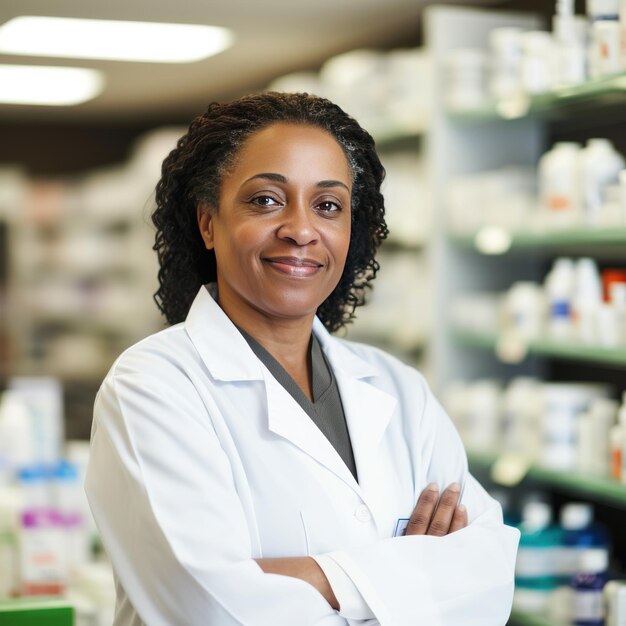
pixel 249 468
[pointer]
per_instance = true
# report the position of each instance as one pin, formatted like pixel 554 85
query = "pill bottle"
pixel 559 187
pixel 604 50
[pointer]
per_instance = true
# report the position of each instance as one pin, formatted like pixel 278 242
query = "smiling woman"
pixel 282 229
pixel 247 467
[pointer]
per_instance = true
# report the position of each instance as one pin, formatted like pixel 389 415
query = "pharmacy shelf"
pixel 525 619
pixel 567 238
pixel 604 91
pixel 582 485
pixel 36 612
pixel 614 357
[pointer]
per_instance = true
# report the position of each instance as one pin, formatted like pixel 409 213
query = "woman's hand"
pixel 429 519
pixel 305 568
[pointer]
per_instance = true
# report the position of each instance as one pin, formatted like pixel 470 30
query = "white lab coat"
pixel 201 462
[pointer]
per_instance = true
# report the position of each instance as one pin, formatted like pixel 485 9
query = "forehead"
pixel 296 149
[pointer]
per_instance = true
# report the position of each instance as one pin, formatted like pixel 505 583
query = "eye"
pixel 264 201
pixel 329 206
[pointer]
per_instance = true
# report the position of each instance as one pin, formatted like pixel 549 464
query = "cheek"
pixel 341 243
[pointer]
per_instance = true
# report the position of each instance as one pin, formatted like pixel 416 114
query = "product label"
pixel 42 561
pixel 558 202
pixel 560 308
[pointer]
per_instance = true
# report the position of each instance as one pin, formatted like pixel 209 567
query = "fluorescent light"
pixel 112 40
pixel 38 84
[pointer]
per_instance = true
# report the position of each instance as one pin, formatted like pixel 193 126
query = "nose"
pixel 297 225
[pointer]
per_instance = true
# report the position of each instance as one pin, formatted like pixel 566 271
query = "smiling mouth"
pixel 294 266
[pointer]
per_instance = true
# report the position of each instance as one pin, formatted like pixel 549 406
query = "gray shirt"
pixel 326 409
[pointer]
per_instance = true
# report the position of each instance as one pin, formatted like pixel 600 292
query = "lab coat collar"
pixel 221 346
pixel 228 356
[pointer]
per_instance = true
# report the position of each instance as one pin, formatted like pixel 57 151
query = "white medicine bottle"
pixel 558 185
pixel 600 166
pixel 560 284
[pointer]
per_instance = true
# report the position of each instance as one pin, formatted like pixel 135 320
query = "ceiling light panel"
pixel 112 40
pixel 43 85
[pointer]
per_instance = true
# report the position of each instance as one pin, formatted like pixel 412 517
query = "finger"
pixel 423 512
pixel 459 519
pixel 440 523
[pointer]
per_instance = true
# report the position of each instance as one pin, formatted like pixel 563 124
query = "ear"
pixel 205 224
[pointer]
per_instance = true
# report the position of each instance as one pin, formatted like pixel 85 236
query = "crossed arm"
pixel 431 516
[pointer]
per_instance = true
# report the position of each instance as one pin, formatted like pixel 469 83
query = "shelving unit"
pixel 613 357
pixel 388 320
pixel 81 270
pixel 594 488
pixel 515 133
pixel 603 91
pixel 596 239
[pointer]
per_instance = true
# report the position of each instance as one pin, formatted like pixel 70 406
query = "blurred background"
pixel 501 127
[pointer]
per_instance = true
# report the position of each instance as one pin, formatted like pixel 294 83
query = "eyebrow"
pixel 279 178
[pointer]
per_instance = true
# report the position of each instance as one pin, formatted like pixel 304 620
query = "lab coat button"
pixel 363 514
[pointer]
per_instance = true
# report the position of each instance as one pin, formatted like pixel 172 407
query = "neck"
pixel 286 339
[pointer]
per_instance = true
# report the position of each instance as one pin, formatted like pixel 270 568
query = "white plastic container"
pixel 614 594
pixel 506 62
pixel 482 415
pixel 621 419
pixel 466 78
pixel 600 165
pixel 603 412
pixel 559 286
pixel 622 186
pixel 68 491
pixel 563 404
pixel 42 554
pixel 10 505
pixel 525 309
pixel 17 446
pixel 616 443
pixel 570 54
pixel 559 185
pixel 604 49
pixel 586 301
pixel 608 326
pixel 622 28
pixel 520 419
pixel 537 61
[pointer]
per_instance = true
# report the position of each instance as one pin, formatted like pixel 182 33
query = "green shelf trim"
pixel 524 619
pixel 595 488
pixel 605 88
pixel 615 357
pixel 36 612
pixel 588 237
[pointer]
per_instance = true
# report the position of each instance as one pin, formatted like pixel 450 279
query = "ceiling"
pixel 272 37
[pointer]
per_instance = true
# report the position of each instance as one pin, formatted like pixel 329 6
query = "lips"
pixel 295 266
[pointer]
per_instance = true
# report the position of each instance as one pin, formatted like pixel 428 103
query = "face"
pixel 282 229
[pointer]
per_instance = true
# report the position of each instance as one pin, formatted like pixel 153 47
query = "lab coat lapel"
pixel 368 411
pixel 287 419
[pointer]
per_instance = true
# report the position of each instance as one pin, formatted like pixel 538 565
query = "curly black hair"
pixel 192 174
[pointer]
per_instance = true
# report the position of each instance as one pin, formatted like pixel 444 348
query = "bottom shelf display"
pixel 525 619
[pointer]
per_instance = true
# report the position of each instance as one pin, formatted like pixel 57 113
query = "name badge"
pixel 401 525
